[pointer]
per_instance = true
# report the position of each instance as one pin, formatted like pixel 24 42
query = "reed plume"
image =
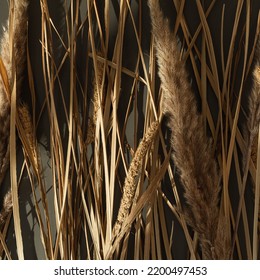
pixel 252 134
pixel 131 180
pixel 193 152
pixel 97 84
pixel 7 207
pixel 254 107
pixel 19 37
pixel 29 135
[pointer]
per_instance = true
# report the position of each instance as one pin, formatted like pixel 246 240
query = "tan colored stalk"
pixel 131 180
pixel 193 153
pixel 18 34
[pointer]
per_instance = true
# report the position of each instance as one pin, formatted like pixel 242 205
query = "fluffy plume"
pixel 7 208
pixel 19 34
pixel 193 153
pixel 254 114
pixel 254 106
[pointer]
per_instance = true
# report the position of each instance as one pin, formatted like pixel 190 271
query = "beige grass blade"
pixel 14 183
pixel 13 171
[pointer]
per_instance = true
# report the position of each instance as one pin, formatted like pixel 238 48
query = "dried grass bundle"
pixel 88 161
pixel 193 153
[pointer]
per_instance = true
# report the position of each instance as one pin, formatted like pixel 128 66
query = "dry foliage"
pixel 116 183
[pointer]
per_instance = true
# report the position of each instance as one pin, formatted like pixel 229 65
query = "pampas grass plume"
pixel 193 153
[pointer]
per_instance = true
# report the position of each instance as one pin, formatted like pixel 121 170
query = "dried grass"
pixel 108 188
